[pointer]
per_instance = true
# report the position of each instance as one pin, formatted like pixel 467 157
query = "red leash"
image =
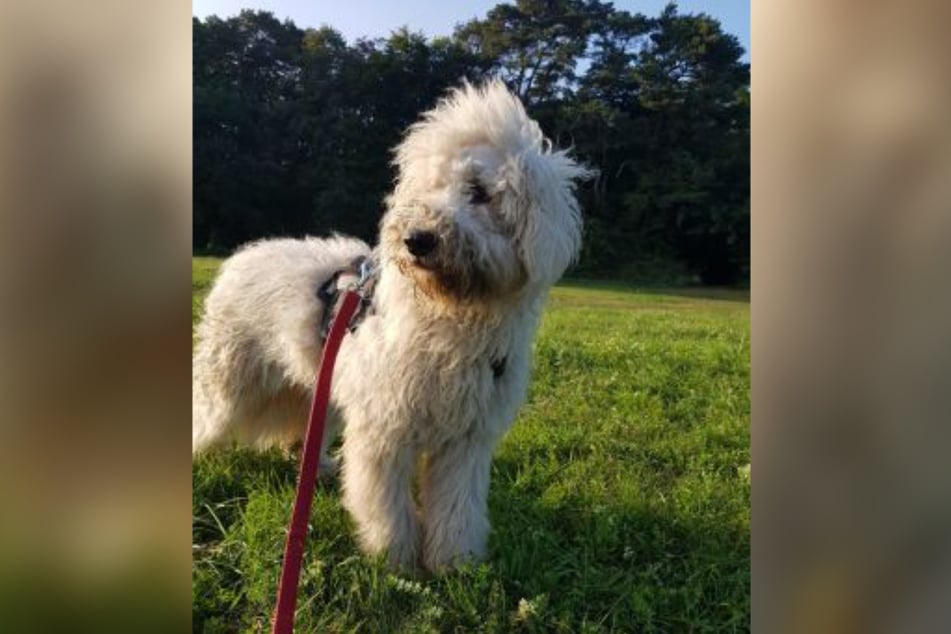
pixel 309 464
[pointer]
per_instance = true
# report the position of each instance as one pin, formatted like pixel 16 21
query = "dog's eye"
pixel 478 194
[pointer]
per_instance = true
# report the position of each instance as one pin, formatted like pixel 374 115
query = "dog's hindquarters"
pixel 259 342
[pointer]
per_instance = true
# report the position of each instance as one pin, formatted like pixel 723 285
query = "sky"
pixel 377 18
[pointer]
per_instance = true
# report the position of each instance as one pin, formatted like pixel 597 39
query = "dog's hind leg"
pixel 213 420
pixel 282 422
pixel 230 386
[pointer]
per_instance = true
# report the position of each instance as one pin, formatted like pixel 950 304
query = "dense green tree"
pixel 245 75
pixel 293 128
pixel 663 111
pixel 694 89
pixel 535 45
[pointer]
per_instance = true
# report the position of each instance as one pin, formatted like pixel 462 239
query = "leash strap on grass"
pixel 310 462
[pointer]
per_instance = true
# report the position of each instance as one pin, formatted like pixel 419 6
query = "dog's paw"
pixel 437 562
pixel 403 558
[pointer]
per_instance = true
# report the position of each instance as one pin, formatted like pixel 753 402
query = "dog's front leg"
pixel 455 502
pixel 376 490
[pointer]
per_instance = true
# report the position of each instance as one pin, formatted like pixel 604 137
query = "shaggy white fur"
pixel 482 221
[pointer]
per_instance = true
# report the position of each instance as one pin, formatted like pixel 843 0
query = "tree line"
pixel 293 127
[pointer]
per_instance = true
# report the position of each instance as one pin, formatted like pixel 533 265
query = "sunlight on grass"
pixel 620 499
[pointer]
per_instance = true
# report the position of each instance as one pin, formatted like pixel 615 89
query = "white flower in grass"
pixel 526 609
pixel 744 472
pixel 407 585
pixel 530 608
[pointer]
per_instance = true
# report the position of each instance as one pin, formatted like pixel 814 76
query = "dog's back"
pixel 259 340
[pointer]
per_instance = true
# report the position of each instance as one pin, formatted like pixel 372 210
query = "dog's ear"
pixel 546 192
pixel 567 170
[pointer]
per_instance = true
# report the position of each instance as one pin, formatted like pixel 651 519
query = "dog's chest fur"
pixel 432 380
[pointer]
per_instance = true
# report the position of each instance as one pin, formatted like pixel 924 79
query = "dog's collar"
pixel 367 272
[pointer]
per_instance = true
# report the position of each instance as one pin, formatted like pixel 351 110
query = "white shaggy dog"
pixel 482 221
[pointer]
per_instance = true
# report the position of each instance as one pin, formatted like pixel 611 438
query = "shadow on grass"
pixel 565 563
pixel 222 481
pixel 718 293
pixel 630 568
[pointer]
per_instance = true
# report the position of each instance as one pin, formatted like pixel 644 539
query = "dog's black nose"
pixel 420 243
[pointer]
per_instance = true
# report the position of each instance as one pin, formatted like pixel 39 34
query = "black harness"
pixel 329 293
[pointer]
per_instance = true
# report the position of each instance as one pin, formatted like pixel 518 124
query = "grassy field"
pixel 620 499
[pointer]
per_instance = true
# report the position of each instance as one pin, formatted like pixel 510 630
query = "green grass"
pixel 620 499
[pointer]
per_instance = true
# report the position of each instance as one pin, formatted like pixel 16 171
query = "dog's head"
pixel 483 207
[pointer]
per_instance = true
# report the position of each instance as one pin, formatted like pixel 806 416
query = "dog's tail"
pixel 205 434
